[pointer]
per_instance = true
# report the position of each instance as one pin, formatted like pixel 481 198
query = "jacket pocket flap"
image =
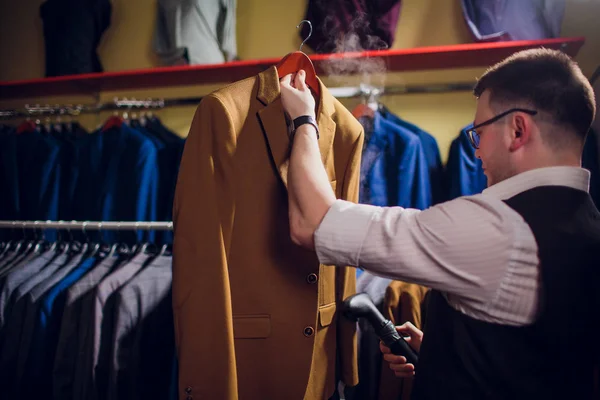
pixel 252 326
pixel 326 314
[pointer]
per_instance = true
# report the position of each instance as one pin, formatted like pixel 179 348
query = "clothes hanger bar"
pixel 119 104
pixel 89 225
pixel 115 105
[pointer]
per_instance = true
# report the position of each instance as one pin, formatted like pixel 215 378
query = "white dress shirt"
pixel 476 250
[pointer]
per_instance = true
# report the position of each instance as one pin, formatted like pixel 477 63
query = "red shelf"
pixel 423 58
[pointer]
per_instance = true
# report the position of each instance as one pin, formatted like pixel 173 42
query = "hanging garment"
pixel 169 157
pixel 502 20
pixel 9 179
pixel 464 172
pixel 432 155
pixel 70 141
pixel 351 25
pixel 30 319
pixel 37 377
pixel 68 338
pixel 243 293
pixel 195 32
pixel 394 169
pixel 119 182
pixel 95 331
pixel 140 362
pixel 9 347
pixel 72 33
pixel 403 302
pixel 39 172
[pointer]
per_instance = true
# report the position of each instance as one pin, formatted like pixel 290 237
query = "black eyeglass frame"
pixel 472 132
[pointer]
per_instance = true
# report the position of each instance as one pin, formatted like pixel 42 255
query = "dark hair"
pixel 547 80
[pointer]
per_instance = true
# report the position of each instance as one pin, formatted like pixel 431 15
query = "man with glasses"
pixel 514 311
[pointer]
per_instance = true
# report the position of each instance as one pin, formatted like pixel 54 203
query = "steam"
pixel 357 38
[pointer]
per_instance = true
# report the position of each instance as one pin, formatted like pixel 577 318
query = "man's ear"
pixel 521 131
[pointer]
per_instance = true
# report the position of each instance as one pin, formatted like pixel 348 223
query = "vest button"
pixel 312 278
pixel 309 331
pixel 188 389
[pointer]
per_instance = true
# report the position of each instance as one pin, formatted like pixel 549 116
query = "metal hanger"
pixel 294 62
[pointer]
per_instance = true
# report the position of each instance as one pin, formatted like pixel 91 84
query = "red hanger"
pixel 113 122
pixel 363 110
pixel 26 126
pixel 294 62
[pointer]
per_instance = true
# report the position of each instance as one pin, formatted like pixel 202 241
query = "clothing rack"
pixel 125 104
pixel 116 105
pixel 89 225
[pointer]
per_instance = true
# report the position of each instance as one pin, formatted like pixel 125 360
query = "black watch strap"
pixel 305 119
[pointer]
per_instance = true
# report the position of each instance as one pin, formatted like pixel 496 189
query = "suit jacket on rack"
pixel 256 317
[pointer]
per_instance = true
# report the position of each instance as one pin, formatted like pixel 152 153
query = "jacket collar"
pixel 275 128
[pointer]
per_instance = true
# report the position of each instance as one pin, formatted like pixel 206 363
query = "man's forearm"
pixel 310 194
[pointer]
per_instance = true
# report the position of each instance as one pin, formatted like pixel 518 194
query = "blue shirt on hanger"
pixel 39 173
pixel 120 181
pixel 464 171
pixel 394 168
pixel 432 155
pixel 9 179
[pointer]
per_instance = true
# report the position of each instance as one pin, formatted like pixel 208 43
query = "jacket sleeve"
pixel 347 346
pixel 202 213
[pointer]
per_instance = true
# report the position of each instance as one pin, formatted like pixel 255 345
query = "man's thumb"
pixel 408 328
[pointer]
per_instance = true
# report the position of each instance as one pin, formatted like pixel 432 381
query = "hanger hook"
pixel 309 31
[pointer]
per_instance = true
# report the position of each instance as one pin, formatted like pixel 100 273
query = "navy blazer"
pixel 119 181
pixel 432 155
pixel 9 179
pixel 394 167
pixel 464 172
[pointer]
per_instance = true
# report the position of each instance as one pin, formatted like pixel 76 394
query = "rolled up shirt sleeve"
pixel 476 249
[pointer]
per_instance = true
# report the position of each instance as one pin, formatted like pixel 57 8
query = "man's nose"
pixel 477 154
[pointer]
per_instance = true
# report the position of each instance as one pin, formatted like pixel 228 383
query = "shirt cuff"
pixel 340 237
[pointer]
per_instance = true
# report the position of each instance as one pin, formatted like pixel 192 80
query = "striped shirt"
pixel 476 250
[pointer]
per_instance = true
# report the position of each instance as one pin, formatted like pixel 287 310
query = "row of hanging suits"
pixel 83 321
pixel 124 171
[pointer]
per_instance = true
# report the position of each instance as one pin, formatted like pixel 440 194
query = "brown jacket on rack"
pixel 257 317
pixel 403 302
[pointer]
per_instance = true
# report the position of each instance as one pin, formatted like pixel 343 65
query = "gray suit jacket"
pixel 15 277
pixel 66 351
pixel 12 328
pixel 31 307
pixel 18 259
pixel 96 327
pixel 140 364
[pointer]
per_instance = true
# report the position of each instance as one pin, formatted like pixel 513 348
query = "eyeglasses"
pixel 474 136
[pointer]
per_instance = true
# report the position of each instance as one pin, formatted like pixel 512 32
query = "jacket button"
pixel 188 389
pixel 309 331
pixel 312 278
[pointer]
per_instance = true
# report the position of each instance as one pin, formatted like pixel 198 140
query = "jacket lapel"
pixel 274 126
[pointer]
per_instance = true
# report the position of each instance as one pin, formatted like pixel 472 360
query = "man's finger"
pixel 392 358
pixel 286 80
pixel 300 80
pixel 407 327
pixel 402 367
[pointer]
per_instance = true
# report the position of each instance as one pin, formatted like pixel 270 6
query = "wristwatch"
pixel 304 119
